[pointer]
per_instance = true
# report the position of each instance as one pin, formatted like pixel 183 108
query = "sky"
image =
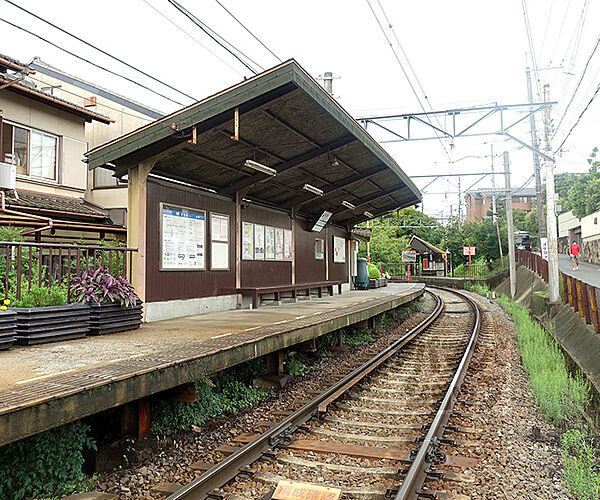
pixel 464 54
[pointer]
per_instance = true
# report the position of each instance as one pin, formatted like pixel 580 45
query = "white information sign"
pixel 278 243
pixel 287 244
pixel 182 238
pixel 544 245
pixel 409 256
pixel 219 227
pixel 259 242
pixel 339 249
pixel 247 241
pixel 269 243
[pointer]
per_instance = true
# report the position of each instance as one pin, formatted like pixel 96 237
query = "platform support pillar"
pixel 275 377
pixel 136 223
pixel 135 418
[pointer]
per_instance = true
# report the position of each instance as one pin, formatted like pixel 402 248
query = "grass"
pixel 561 397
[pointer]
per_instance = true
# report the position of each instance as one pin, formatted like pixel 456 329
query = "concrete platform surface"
pixel 164 354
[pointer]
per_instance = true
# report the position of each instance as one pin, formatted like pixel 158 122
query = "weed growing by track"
pixel 562 398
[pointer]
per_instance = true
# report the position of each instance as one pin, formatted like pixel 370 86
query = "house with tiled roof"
pixel 43 180
pixel 479 201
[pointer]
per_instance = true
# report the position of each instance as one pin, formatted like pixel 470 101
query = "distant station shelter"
pixel 434 261
pixel 252 190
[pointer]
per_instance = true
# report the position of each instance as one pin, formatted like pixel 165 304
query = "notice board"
pixel 182 238
pixel 339 249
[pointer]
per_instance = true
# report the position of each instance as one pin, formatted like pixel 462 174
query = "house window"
pixel 33 152
pixel 104 177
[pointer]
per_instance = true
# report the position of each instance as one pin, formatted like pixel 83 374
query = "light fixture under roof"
pixel 349 205
pixel 313 189
pixel 320 224
pixel 254 165
pixel 369 215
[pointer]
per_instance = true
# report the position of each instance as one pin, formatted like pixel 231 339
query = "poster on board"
pixel 259 242
pixel 247 241
pixel 339 249
pixel 219 227
pixel 287 244
pixel 219 256
pixel 269 243
pixel 278 243
pixel 182 238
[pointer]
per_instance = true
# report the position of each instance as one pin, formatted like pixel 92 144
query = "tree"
pixel 581 192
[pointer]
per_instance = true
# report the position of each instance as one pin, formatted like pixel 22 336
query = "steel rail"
pixel 227 469
pixel 417 473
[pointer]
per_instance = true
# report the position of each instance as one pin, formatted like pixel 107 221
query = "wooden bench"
pixel 257 292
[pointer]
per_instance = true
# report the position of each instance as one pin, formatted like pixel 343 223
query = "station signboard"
pixel 469 250
pixel 409 256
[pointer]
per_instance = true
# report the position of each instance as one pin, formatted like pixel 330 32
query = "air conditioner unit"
pixel 8 176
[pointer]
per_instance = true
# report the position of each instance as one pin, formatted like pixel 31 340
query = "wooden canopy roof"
pixel 423 247
pixel 287 122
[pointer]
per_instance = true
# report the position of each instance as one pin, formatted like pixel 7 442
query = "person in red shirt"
pixel 574 253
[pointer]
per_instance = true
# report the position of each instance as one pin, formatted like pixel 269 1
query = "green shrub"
pixel 40 296
pixel 354 338
pixel 225 395
pixel 580 469
pixel 45 463
pixel 295 366
pixel 382 320
pixel 373 271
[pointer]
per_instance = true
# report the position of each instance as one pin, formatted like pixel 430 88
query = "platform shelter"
pixel 251 192
pixel 433 260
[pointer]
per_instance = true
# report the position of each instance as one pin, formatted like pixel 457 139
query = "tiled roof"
pixel 52 100
pixel 50 203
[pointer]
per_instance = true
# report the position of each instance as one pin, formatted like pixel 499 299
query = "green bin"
pixel 362 275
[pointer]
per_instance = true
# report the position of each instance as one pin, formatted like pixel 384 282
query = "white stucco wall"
pixel 567 221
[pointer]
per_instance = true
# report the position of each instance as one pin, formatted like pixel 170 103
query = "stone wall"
pixel 590 251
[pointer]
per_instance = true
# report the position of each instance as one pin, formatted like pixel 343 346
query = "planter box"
pixel 38 325
pixel 8 327
pixel 112 317
pixel 382 281
pixel 373 283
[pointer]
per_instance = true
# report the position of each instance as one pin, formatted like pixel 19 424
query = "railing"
pixel 25 265
pixel 581 296
pixel 478 270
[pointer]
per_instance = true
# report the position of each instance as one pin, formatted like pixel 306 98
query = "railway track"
pixel 376 433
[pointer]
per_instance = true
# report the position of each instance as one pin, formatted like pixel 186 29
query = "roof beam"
pixel 369 199
pixel 288 165
pixel 339 185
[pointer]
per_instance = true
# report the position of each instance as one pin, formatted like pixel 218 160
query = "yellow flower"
pixel 6 302
pixel 3 308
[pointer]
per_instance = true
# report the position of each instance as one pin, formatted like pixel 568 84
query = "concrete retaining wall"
pixel 578 340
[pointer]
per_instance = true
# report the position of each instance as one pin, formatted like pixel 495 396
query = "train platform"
pixel 42 387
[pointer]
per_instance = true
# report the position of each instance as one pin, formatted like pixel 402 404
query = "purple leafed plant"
pixel 100 286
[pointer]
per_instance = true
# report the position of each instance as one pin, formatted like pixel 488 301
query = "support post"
pixel 539 193
pixel 553 281
pixel 238 251
pixel 135 418
pixel 494 213
pixel 510 228
pixel 136 223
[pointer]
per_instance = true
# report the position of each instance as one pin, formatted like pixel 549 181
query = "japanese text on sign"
pixel 409 256
pixel 290 490
pixel 468 250
pixel 182 238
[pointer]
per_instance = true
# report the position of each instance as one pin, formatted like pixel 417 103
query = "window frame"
pixel 118 182
pixel 29 131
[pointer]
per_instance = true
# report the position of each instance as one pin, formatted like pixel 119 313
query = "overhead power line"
pixel 577 87
pixel 250 32
pixel 62 30
pixel 578 119
pixel 90 62
pixel 235 52
pixel 192 37
pixel 531 48
pixel 406 76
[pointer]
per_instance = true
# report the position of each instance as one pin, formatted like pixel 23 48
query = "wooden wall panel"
pixel 337 270
pixel 267 272
pixel 308 269
pixel 171 285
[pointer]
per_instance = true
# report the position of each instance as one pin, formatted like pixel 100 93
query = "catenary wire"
pixel 62 30
pixel 90 62
pixel 578 119
pixel 192 37
pixel 577 87
pixel 217 38
pixel 406 75
pixel 531 48
pixel 250 32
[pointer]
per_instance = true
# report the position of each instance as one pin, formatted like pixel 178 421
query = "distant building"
pixel 479 202
pixel 104 189
pixel 585 231
pixel 43 178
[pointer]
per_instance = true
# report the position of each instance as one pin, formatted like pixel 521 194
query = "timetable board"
pixel 182 237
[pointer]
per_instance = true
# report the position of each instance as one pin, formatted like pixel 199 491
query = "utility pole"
pixel 511 232
pixel 553 284
pixel 539 193
pixel 494 213
pixel 459 204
